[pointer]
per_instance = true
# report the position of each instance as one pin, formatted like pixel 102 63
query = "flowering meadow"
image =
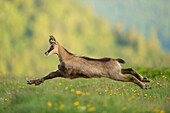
pixel 97 95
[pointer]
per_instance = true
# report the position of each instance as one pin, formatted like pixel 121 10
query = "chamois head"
pixel 53 49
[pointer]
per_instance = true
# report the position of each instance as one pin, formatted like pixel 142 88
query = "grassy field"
pixel 86 95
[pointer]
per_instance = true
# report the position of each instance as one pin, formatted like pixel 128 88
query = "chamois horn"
pixel 52 39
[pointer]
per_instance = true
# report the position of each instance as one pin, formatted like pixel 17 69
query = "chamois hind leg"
pixel 49 76
pixel 124 78
pixel 133 72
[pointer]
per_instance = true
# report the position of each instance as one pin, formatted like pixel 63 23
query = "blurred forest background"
pixel 26 25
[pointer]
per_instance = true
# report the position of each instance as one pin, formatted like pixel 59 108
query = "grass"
pixel 86 95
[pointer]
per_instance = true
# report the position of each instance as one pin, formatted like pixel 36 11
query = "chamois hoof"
pixel 146 79
pixel 38 82
pixel 29 82
pixel 147 87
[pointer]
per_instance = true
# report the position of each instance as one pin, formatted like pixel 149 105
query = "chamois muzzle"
pixel 46 53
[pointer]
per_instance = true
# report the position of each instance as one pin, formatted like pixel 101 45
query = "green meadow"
pixel 99 95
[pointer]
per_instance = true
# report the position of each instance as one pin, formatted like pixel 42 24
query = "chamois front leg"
pixel 49 76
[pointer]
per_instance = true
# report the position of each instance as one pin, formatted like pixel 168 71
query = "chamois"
pixel 72 66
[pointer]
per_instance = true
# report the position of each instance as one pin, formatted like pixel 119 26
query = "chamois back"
pixel 93 59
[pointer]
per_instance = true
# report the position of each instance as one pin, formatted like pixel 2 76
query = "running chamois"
pixel 72 66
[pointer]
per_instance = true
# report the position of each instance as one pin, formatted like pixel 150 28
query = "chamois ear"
pixel 52 39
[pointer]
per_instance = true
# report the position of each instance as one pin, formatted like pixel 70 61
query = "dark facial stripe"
pixel 51 48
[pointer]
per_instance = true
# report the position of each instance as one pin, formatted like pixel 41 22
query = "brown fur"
pixel 72 66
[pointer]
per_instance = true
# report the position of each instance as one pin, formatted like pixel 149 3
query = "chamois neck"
pixel 64 54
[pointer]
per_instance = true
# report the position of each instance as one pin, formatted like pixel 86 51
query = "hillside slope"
pixel 141 14
pixel 26 25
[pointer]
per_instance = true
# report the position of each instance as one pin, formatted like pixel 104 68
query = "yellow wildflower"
pixel 19 86
pixel 91 109
pixel 9 93
pixel 70 85
pixel 104 104
pixel 110 94
pixel 61 106
pixel 156 110
pixel 59 83
pixel 72 90
pixel 66 88
pixel 79 107
pixel 83 93
pixel 145 95
pixel 163 76
pixel 138 93
pixel 157 83
pixel 160 84
pixel 162 111
pixel 124 108
pixel 96 89
pixel 76 103
pixel 78 92
pixel 6 99
pixel 123 85
pixel 132 97
pixel 87 93
pixel 26 78
pixel 88 105
pixel 50 81
pixel 49 104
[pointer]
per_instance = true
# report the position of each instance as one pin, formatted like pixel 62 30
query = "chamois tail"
pixel 120 60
